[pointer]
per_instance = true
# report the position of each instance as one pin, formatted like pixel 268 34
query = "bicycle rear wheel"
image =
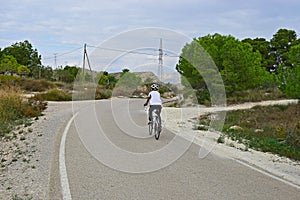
pixel 156 130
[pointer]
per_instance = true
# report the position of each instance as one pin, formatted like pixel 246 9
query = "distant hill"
pixel 147 77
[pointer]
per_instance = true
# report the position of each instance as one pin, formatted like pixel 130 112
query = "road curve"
pixel 98 171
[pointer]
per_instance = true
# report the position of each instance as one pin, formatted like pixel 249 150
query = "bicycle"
pixel 155 124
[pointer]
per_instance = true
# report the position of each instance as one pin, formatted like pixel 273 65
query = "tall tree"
pixel 8 64
pixel 25 55
pixel 22 70
pixel 106 79
pixel 242 66
pixel 72 71
pixel 199 73
pixel 47 73
pixel 239 65
pixel 294 55
pixel 289 77
pixel 281 43
pixel 67 74
pixel 263 47
pixel 213 45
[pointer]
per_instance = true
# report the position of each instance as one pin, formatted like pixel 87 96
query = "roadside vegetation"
pixel 14 110
pixel 23 98
pixel 274 129
pixel 251 70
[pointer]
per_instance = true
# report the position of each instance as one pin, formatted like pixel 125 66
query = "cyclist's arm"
pixel 148 99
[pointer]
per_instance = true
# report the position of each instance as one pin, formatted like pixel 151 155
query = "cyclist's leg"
pixel 151 108
pixel 159 117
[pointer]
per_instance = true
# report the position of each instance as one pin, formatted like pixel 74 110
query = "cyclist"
pixel 155 103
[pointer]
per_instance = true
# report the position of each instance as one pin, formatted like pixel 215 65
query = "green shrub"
pixel 203 97
pixel 221 139
pixel 105 94
pixel 276 124
pixel 10 104
pixel 293 138
pixel 14 109
pixel 10 80
pixel 54 95
pixel 254 95
pixel 37 85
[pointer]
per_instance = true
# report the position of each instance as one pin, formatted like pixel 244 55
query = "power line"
pixel 157 52
pixel 132 51
pixel 123 50
pixel 108 49
pixel 56 55
pixel 160 61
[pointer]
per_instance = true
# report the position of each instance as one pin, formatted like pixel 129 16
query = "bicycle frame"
pixel 155 124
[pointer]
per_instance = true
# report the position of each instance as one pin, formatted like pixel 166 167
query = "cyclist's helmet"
pixel 154 86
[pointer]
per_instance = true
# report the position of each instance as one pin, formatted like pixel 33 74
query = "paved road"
pixel 109 155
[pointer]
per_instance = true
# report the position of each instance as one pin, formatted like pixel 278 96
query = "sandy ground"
pixel 25 159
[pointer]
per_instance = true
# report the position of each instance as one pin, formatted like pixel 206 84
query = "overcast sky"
pixel 64 26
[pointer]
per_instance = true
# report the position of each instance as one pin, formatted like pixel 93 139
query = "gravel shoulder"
pixel 26 159
pixel 25 172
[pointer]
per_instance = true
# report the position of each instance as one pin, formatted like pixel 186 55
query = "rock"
pixel 258 131
pixel 26 159
pixel 236 128
pixel 241 147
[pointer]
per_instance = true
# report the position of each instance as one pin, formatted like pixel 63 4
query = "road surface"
pixel 108 154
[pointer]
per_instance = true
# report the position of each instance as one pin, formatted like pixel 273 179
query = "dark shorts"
pixel 153 107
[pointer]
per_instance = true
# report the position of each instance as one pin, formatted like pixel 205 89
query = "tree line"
pixel 248 64
pixel 23 60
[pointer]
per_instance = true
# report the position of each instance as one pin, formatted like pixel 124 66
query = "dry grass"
pixel 269 129
pixel 54 95
pixel 13 108
pixel 273 121
pixel 273 129
pixel 255 95
pixel 10 104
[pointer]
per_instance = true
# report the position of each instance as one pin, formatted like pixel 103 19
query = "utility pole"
pixel 160 61
pixel 83 62
pixel 85 57
pixel 55 60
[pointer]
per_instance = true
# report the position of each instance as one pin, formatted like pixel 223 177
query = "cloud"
pixel 61 25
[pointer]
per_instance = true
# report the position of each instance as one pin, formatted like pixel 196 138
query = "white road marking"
pixel 268 174
pixel 66 194
pixel 290 183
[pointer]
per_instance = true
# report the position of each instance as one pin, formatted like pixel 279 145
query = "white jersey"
pixel 155 98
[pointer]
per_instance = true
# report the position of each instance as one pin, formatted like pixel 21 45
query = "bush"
pixel 203 97
pixel 293 138
pixel 254 95
pixel 13 108
pixel 54 95
pixel 37 85
pixel 105 94
pixel 26 84
pixel 276 124
pixel 10 104
pixel 10 80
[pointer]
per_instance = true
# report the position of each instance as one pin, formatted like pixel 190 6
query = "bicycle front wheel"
pixel 150 128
